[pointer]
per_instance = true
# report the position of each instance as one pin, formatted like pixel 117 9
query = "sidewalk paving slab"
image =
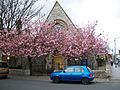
pixel 47 78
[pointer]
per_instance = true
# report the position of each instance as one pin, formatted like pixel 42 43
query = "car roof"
pixel 77 66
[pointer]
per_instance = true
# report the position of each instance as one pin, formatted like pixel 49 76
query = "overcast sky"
pixel 106 12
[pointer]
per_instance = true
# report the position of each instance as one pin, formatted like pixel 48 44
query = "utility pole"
pixel 115 47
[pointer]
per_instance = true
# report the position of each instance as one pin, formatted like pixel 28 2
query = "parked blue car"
pixel 73 73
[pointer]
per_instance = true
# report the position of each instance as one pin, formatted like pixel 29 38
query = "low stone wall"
pixel 97 73
pixel 101 74
pixel 19 72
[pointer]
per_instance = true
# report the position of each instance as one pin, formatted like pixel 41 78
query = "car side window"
pixel 69 70
pixel 79 69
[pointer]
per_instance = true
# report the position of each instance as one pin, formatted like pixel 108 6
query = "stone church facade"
pixel 61 19
pixel 53 62
pixel 58 15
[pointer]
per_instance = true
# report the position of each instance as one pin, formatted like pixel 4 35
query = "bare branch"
pixel 12 11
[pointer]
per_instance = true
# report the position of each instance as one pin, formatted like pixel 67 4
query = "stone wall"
pixel 57 13
pixel 103 73
pixel 19 72
pixel 100 74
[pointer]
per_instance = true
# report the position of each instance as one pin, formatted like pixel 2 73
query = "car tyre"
pixel 85 81
pixel 56 80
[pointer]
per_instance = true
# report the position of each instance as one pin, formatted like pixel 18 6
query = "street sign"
pixel 84 62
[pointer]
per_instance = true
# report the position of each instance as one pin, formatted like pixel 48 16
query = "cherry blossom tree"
pixel 82 42
pixel 36 39
pixel 40 38
pixel 43 38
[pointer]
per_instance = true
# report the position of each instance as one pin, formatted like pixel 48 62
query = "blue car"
pixel 73 73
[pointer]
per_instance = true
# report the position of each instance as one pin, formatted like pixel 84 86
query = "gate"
pixel 38 66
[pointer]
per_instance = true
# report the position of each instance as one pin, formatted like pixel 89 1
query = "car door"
pixel 67 74
pixel 77 74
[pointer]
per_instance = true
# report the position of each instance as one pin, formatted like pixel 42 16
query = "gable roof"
pixel 57 12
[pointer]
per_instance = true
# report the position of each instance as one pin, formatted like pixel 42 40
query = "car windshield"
pixel 3 65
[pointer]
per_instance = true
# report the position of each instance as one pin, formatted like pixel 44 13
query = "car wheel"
pixel 56 79
pixel 85 81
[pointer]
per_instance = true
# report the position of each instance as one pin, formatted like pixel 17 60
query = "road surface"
pixel 20 84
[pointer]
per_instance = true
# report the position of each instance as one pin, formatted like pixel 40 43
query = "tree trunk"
pixel 1 24
pixel 30 64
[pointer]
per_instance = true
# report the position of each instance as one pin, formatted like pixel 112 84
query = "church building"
pixel 62 20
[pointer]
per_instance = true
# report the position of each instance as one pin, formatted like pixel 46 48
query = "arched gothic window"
pixel 60 24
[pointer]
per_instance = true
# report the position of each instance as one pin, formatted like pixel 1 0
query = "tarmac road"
pixel 24 84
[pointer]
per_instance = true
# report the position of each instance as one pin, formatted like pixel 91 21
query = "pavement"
pixel 115 71
pixel 46 78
